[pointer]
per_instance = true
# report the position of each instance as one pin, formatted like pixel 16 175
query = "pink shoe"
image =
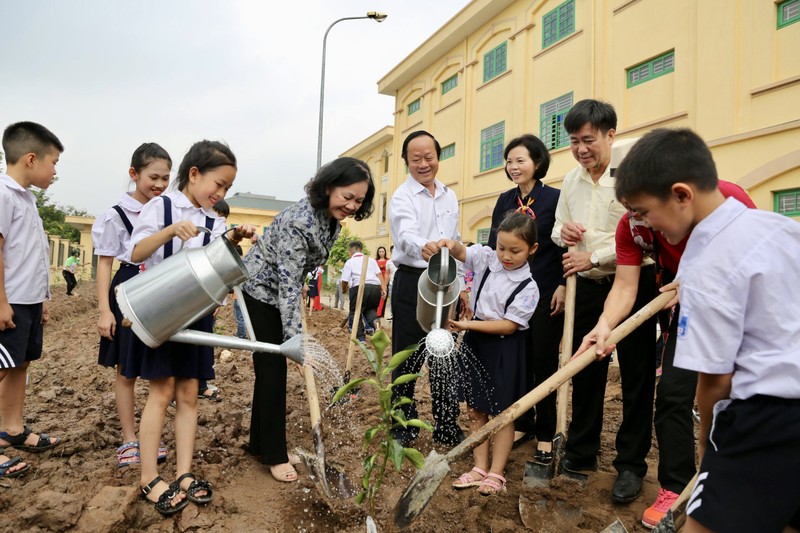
pixel 653 514
pixel 466 481
pixel 489 486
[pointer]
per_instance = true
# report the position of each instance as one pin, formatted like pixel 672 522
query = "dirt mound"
pixel 78 487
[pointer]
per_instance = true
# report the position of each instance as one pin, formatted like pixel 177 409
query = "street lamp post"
pixel 374 15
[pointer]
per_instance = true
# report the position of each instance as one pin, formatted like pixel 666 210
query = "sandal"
pixel 489 486
pixel 196 486
pixel 164 503
pixel 18 441
pixel 466 481
pixel 128 454
pixel 294 459
pixel 5 467
pixel 284 476
pixel 163 451
pixel 214 396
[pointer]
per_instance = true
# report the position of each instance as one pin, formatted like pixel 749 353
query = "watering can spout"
pixel 293 349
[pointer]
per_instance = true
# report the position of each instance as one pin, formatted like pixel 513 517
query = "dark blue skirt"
pixel 501 382
pixel 113 352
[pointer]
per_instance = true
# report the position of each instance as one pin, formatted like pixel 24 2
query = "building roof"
pixel 257 201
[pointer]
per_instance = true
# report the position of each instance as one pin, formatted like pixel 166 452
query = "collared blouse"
pixel 295 243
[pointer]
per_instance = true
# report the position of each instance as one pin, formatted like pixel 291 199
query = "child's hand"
pixel 6 317
pixel 107 324
pixel 45 313
pixel 244 231
pixel 184 230
pixel 457 325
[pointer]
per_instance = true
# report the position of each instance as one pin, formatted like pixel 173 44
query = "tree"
pixel 54 215
pixel 339 255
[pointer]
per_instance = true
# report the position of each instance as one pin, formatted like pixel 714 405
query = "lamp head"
pixel 377 16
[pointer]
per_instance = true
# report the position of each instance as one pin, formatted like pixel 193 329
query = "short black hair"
pixel 222 208
pixel 29 137
pixel 146 154
pixel 600 115
pixel 663 158
pixel 520 225
pixel 205 155
pixel 341 172
pixel 355 245
pixel 413 135
pixel 536 150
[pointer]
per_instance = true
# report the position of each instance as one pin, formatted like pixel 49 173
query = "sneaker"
pixel 653 514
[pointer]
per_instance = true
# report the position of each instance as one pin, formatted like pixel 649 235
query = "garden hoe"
pixel 424 484
pixel 329 478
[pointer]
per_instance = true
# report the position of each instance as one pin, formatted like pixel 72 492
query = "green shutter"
pixel 558 23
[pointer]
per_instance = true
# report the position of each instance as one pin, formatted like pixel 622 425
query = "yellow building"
pixel 728 69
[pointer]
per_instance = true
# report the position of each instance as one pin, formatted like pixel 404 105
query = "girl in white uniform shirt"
pixel 504 299
pixel 173 370
pixel 111 234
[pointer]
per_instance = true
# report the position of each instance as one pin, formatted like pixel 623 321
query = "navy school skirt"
pixel 495 378
pixel 113 352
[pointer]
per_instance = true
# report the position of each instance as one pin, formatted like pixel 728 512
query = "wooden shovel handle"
pixel 308 375
pixel 562 398
pixel 357 314
pixel 578 363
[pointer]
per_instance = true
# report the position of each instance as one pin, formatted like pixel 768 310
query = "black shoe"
pixel 627 487
pixel 542 457
pixel 574 465
pixel 449 436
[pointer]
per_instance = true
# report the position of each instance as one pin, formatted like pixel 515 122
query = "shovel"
pixel 330 479
pixel 424 484
pixel 356 318
pixel 537 474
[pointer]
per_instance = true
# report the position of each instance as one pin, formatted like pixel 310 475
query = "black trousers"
pixel 673 419
pixel 543 340
pixel 370 301
pixel 268 422
pixel 407 331
pixel 69 277
pixel 637 364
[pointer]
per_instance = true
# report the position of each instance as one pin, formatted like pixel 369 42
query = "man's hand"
pixel 675 285
pixel 558 301
pixel 574 262
pixel 429 250
pixel 6 317
pixel 598 338
pixel 572 233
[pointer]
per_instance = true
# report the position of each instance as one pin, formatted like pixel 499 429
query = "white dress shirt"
pixel 351 272
pixel 110 237
pixel 26 249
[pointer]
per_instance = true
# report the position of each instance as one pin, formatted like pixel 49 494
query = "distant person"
pixel 111 235
pixel 297 241
pixel 70 267
pixel 382 259
pixel 496 337
pixel 335 275
pixel 31 152
pixel 587 216
pixel 738 328
pixel 422 211
pixel 314 282
pixel 173 370
pixel 374 289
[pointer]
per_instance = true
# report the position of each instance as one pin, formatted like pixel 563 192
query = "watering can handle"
pixel 444 263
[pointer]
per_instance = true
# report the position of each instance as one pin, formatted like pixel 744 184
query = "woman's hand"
pixel 245 231
pixel 184 230
pixel 107 325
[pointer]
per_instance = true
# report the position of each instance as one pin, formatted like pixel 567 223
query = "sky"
pixel 107 75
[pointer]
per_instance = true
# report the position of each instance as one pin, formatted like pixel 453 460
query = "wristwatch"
pixel 594 259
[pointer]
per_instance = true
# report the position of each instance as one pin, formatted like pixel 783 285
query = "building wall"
pixel 736 81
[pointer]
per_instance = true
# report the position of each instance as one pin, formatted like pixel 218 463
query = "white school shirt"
pixel 351 272
pixel 740 301
pixel 151 221
pixel 110 237
pixel 26 249
pixel 391 268
pixel 594 205
pixel 498 288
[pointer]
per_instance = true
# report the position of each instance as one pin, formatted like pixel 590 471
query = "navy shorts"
pixel 750 476
pixel 24 342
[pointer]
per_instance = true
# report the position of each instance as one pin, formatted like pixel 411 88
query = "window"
pixel 788 202
pixel 483 236
pixel 492 146
pixel 788 12
pixel 551 125
pixel 413 106
pixel 448 152
pixel 654 68
pixel 450 83
pixel 494 62
pixel 558 23
pixel 384 209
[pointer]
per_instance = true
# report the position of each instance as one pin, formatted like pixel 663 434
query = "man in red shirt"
pixel 675 391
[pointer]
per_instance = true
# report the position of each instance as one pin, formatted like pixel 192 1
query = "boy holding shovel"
pixel 738 327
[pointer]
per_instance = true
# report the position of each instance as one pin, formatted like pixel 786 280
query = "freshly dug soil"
pixel 78 487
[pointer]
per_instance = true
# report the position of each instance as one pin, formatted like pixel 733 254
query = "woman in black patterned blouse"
pixel 296 242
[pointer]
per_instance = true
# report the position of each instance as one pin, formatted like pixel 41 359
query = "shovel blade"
pixel 667 524
pixel 328 477
pixel 615 527
pixel 421 489
pixel 537 475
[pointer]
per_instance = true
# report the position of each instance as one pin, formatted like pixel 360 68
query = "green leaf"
pixel 370 434
pixel 405 378
pixel 380 341
pixel 347 388
pixel 398 358
pixel 385 396
pixel 400 417
pixel 416 458
pixel 402 400
pixel 417 423
pixel 396 453
pixel 369 354
pixel 360 497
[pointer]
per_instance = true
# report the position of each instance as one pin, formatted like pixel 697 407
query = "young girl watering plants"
pixel 111 234
pixel 505 297
pixel 165 224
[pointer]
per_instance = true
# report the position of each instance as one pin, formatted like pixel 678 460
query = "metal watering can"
pixel 438 290
pixel 163 300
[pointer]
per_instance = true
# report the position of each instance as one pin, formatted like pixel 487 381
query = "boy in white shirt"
pixel 739 327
